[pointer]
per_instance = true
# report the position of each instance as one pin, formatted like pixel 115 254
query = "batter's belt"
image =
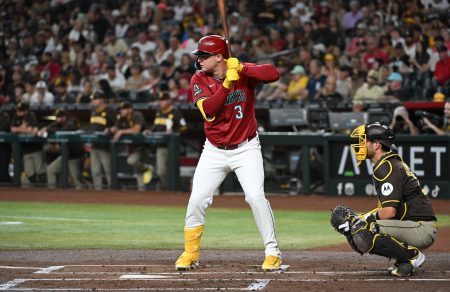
pixel 236 146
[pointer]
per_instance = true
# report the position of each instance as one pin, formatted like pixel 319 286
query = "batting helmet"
pixel 378 132
pixel 212 45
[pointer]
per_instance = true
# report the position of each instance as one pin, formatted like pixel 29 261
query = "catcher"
pixel 404 222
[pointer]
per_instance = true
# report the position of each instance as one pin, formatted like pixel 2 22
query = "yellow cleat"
pixel 187 261
pixel 271 263
pixel 190 257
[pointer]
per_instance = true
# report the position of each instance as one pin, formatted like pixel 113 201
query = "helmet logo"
pixel 387 189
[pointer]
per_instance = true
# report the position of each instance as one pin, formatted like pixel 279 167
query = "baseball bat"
pixel 223 18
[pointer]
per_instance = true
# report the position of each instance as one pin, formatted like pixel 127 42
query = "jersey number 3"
pixel 240 114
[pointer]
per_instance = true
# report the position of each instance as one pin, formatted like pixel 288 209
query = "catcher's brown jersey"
pixel 397 186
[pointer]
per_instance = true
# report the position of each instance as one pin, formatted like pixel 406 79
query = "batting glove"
pixel 233 63
pixel 232 75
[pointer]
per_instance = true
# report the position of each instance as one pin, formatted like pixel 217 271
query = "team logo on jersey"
pixel 197 89
pixel 235 96
pixel 387 189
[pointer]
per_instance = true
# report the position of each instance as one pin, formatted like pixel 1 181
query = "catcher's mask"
pixel 211 45
pixel 378 132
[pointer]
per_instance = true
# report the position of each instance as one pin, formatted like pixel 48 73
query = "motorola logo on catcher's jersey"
pixel 387 189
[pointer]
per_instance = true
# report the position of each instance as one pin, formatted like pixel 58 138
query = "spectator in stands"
pixel 400 62
pixel 167 69
pixel 114 45
pixel 296 89
pixel 395 90
pixel 5 148
pixel 42 96
pixel 162 51
pixel 401 123
pixel 63 123
pixel 136 81
pixel 330 65
pixel 102 118
pixel 174 88
pixel 354 45
pixel 115 79
pixel 167 120
pixel 48 68
pixel 442 71
pixel 123 64
pixel 369 91
pixel 62 94
pixel 344 82
pixel 104 86
pixel 445 130
pixel 85 95
pixel 374 52
pixel 24 122
pixel 144 44
pixel 185 92
pixel 316 79
pixel 132 122
pixel 176 50
pixel 328 93
pixel 421 62
pixel 352 17
pixel 186 66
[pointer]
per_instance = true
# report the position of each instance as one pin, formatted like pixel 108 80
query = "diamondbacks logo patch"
pixel 387 189
pixel 197 89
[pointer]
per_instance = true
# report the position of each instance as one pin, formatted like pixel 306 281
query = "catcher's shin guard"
pixel 387 246
pixel 371 242
pixel 191 255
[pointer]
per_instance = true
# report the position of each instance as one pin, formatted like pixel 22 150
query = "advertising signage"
pixel 429 160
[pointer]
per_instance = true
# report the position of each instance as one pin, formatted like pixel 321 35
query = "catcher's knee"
pixel 363 240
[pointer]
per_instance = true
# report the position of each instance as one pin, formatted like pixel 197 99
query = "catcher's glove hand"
pixel 341 219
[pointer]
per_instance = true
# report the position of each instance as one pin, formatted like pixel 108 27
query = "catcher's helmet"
pixel 378 132
pixel 212 45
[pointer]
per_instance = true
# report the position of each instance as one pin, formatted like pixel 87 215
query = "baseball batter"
pixel 223 91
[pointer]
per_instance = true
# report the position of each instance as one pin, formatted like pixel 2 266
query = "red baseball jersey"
pixel 235 120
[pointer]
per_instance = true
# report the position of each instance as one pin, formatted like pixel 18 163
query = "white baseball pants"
pixel 246 161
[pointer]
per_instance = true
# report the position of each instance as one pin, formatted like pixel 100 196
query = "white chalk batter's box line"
pixel 259 284
pixel 54 271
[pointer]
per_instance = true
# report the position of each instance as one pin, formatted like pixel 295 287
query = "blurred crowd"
pixel 61 51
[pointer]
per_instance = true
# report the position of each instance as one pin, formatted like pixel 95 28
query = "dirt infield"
pixel 152 270
pixel 325 269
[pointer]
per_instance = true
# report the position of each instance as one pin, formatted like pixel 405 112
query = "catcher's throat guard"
pixel 360 149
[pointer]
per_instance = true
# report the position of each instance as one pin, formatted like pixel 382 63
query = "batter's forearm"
pixel 213 104
pixel 264 72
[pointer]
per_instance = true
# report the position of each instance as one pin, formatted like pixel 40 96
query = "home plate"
pixel 143 277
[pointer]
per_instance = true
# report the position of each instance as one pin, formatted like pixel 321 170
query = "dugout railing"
pixel 172 141
pixel 427 155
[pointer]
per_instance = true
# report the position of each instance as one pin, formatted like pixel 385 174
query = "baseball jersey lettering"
pixel 233 110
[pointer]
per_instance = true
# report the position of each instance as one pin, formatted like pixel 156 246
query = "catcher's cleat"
pixel 271 263
pixel 415 262
pixel 418 260
pixel 187 261
pixel 403 270
pixel 394 267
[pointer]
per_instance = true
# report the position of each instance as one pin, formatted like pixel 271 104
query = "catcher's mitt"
pixel 341 218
